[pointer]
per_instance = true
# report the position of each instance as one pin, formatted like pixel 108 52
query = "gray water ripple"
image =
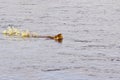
pixel 90 48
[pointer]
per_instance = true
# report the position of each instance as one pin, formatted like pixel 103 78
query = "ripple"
pixel 82 41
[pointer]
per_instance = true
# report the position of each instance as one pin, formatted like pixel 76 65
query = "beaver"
pixel 58 37
pixel 12 31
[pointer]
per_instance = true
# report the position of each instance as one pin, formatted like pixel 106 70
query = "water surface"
pixel 90 49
